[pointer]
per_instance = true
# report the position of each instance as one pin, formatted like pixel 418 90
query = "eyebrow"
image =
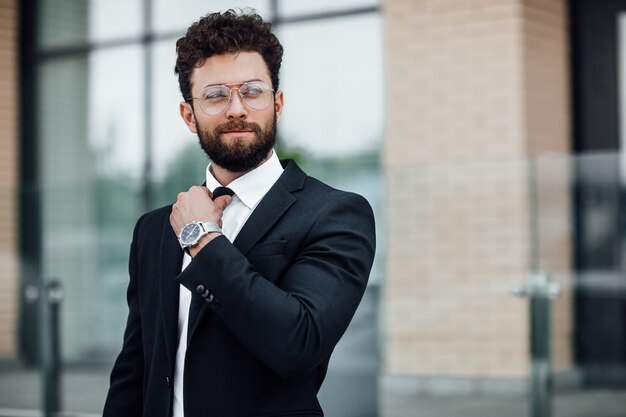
pixel 229 84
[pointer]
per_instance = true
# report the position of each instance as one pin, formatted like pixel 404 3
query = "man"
pixel 238 297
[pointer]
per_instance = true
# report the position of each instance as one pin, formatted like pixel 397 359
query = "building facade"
pixel 486 134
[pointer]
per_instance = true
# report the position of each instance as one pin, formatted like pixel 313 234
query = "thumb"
pixel 222 201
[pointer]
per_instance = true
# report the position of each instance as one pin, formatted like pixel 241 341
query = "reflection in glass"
pixel 115 101
pixel 114 19
pixel 90 139
pixel 62 23
pixel 169 16
pixel 177 160
pixel 333 88
pixel 116 143
pixel 299 8
pixel 67 22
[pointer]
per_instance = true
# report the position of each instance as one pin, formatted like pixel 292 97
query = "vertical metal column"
pixel 51 347
pixel 541 290
pixel 147 192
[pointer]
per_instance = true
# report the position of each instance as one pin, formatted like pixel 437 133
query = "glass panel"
pixel 299 8
pixel 455 337
pixel 595 383
pixel 334 103
pixel 66 23
pixel 116 151
pixel 91 151
pixel 454 340
pixel 62 23
pixel 177 160
pixel 115 103
pixel 461 237
pixel 171 16
pixel 127 16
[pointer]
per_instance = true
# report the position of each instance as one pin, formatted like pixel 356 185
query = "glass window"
pixel 62 23
pixel 177 160
pixel 169 16
pixel 67 23
pixel 115 105
pixel 114 19
pixel 299 8
pixel 333 88
pixel 116 146
pixel 90 135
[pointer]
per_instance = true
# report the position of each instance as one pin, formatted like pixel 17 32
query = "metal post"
pixel 541 290
pixel 51 348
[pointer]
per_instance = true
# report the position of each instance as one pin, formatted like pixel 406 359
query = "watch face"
pixel 190 233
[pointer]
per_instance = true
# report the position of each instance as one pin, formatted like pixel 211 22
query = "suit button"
pixel 200 289
pixel 209 298
pixel 168 381
pixel 216 303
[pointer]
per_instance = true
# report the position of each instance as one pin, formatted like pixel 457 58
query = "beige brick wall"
pixel 475 88
pixel 8 177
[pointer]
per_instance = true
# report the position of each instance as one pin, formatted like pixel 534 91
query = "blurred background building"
pixel 487 135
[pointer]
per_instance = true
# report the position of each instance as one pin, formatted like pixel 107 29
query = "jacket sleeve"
pixel 293 326
pixel 125 396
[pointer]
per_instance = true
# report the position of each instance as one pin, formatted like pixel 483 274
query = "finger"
pixel 222 201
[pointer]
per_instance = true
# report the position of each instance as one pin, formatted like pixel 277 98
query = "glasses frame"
pixel 230 96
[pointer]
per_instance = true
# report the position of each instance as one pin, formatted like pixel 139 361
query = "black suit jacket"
pixel 276 302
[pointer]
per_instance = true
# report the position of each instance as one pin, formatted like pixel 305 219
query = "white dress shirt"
pixel 249 189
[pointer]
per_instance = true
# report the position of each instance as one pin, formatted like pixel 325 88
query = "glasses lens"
pixel 214 99
pixel 256 95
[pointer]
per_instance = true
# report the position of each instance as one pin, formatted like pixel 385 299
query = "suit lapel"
pixel 171 260
pixel 271 208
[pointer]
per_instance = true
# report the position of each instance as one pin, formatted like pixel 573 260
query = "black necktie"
pixel 220 191
pixel 196 300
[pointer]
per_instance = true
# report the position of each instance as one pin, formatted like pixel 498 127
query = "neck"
pixel 225 177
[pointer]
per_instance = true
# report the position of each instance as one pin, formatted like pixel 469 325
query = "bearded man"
pixel 239 291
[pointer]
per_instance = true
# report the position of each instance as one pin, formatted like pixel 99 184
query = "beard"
pixel 241 155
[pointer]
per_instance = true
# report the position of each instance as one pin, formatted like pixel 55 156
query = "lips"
pixel 238 128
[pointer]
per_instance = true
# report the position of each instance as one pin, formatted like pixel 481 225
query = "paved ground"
pixel 84 395
pixel 352 388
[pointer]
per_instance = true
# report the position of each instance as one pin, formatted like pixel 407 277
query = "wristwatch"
pixel 191 234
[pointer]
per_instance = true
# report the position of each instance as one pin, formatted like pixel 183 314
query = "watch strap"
pixel 210 227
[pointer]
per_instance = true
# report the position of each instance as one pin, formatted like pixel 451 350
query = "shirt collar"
pixel 253 185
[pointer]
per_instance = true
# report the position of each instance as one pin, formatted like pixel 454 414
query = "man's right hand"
pixel 197 205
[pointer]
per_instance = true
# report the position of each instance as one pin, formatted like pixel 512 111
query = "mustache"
pixel 238 125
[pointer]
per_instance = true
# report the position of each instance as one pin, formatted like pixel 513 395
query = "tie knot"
pixel 220 191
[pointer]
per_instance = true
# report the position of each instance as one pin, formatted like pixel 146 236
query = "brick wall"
pixel 8 177
pixel 475 88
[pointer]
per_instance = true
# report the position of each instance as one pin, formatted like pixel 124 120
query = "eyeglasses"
pixel 214 99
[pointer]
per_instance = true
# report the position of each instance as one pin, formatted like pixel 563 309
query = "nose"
pixel 236 109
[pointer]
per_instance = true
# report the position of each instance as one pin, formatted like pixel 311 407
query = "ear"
pixel 278 104
pixel 186 112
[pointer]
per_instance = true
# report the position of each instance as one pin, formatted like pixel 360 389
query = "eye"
pixel 215 94
pixel 252 90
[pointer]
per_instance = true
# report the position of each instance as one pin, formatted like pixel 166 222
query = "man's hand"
pixel 197 205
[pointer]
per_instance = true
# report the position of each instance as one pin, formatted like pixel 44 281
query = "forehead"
pixel 230 69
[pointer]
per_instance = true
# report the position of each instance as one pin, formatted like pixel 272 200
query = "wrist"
pixel 193 251
pixel 192 233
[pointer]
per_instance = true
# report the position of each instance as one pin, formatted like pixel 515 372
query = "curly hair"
pixel 222 33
